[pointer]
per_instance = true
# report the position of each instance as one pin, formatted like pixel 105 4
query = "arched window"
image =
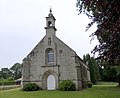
pixel 49 23
pixel 49 56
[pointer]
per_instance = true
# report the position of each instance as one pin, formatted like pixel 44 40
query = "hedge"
pixel 7 83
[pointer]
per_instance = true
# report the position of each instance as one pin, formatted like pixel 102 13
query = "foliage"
pixel 10 79
pixel 107 16
pixel 107 73
pixel 16 70
pixel 67 85
pixel 31 87
pixel 89 84
pixel 7 82
pixel 94 92
pixel 100 72
pixel 93 67
pixel 5 73
pixel 110 74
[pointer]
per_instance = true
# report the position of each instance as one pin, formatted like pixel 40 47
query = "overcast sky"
pixel 22 25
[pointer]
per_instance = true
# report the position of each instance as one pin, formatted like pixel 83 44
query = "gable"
pixel 36 48
pixel 60 43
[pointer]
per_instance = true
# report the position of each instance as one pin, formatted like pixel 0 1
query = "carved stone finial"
pixel 50 14
pixel 50 9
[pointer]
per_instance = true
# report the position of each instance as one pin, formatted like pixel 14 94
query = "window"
pixel 49 23
pixel 49 56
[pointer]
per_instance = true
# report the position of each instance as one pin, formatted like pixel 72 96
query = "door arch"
pixel 45 77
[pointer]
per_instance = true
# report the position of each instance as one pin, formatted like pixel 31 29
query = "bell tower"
pixel 50 24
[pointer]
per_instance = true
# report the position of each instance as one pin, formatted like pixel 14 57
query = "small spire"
pixel 50 9
pixel 50 14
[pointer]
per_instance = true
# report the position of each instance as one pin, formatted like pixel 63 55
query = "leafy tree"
pixel 14 72
pixel 109 74
pixel 5 73
pixel 106 13
pixel 16 69
pixel 93 67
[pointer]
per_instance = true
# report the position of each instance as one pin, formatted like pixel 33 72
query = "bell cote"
pixel 50 24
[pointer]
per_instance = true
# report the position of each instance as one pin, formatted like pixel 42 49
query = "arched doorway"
pixel 48 77
pixel 51 82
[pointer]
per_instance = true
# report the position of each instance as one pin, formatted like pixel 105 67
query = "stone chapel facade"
pixel 51 56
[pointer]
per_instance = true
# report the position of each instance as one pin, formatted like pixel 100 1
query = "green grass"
pixel 95 92
pixel 107 83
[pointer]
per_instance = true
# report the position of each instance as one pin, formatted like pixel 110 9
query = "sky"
pixel 22 25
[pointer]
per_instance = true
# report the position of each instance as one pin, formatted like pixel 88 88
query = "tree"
pixel 16 69
pixel 109 74
pixel 93 67
pixel 5 73
pixel 106 13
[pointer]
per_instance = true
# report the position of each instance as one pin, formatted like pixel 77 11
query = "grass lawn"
pixel 94 92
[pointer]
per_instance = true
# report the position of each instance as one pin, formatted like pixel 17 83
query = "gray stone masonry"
pixel 51 56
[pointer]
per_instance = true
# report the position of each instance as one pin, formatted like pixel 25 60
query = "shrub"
pixel 31 87
pixel 67 85
pixel 89 84
pixel 7 83
pixel 10 79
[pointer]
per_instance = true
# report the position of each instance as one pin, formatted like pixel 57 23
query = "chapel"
pixel 51 57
